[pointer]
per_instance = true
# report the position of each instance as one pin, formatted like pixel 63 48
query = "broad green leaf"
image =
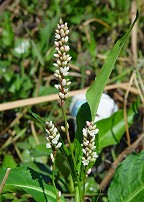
pixel 95 91
pixel 41 168
pixel 112 129
pixel 9 162
pixel 128 182
pixel 27 180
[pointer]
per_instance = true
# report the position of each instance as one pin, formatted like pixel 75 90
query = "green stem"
pixel 68 137
pixel 77 188
pixel 84 182
pixel 77 196
pixel 66 126
pixel 53 177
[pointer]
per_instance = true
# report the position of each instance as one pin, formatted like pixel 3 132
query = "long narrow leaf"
pixel 94 93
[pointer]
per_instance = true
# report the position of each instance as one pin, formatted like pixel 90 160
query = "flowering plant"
pixel 81 153
pixel 88 152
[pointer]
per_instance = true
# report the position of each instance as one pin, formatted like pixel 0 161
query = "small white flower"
pixel 68 83
pixel 95 155
pixel 84 132
pixel 55 140
pixel 62 26
pixel 55 64
pixel 57 86
pixel 67 48
pixel 64 71
pixel 60 21
pixel 66 90
pixel 85 162
pixel 52 157
pixel 86 143
pixel 48 145
pixel 63 129
pixel 64 82
pixel 69 59
pixel 67 32
pixel 56 43
pixel 66 39
pixel 59 63
pixel 89 171
pixel 61 95
pixel 57 36
pixel 56 55
pixel 59 194
pixel 93 132
pixel 84 151
pixel 58 145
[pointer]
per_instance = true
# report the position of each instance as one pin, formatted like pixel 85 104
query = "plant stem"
pixel 53 177
pixel 77 194
pixel 66 126
pixel 77 191
pixel 84 182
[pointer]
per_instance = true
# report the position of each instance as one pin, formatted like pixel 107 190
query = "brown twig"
pixel 126 152
pixel 4 5
pixel 125 109
pixel 96 20
pixel 34 133
pixel 103 57
pixel 48 98
pixel 4 179
pixel 134 31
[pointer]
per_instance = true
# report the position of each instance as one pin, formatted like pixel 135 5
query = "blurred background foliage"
pixel 26 70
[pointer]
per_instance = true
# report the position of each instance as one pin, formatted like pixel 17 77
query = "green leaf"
pixel 91 187
pixel 9 162
pixel 128 182
pixel 27 180
pixel 83 115
pixel 95 91
pixel 7 33
pixel 112 129
pixel 37 52
pixel 40 150
pixel 46 32
pixel 36 116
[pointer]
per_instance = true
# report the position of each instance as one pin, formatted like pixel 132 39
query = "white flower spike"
pixel 88 146
pixel 52 136
pixel 62 59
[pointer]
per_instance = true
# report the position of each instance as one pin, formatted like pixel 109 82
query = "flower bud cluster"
pixel 88 146
pixel 52 136
pixel 62 58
